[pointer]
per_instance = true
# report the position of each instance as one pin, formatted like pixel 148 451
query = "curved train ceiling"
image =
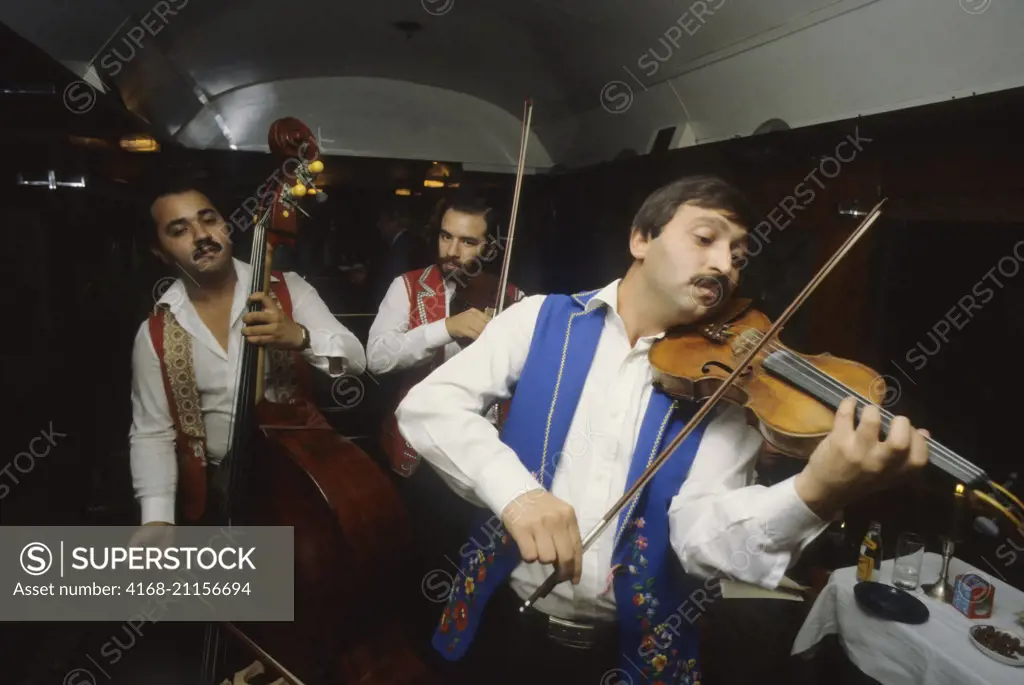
pixel 446 79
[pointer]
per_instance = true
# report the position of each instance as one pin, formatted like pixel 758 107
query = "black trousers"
pixel 509 650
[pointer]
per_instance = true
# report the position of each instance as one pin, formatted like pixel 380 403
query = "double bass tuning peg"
pixel 316 166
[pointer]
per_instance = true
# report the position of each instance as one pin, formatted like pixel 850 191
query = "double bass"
pixel 288 467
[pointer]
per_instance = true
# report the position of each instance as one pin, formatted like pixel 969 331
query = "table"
pixel 937 652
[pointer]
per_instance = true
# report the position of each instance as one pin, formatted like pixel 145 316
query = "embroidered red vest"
pixel 425 288
pixel 288 374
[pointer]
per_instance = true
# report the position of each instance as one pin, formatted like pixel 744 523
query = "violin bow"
pixel 499 305
pixel 707 406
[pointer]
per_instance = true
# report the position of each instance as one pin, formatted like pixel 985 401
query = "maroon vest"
pixel 425 288
pixel 289 374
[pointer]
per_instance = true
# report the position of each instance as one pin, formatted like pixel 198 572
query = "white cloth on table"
pixel 937 652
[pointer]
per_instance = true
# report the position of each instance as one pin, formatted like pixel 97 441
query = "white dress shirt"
pixel 391 346
pixel 720 524
pixel 153 459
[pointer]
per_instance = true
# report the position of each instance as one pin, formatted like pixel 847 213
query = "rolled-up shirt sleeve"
pixel 153 459
pixel 723 526
pixel 329 339
pixel 443 418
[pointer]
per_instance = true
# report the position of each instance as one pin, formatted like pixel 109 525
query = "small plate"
pixel 992 654
pixel 890 603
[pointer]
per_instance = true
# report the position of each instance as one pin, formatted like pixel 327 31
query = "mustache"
pixel 204 245
pixel 717 282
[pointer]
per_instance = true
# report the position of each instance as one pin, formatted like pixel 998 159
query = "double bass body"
pixel 288 467
pixel 350 534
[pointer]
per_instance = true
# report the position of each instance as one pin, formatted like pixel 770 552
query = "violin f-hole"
pixel 725 367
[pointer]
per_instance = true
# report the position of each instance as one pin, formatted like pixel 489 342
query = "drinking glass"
pixel 906 569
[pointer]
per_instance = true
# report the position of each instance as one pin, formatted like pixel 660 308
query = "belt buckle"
pixel 570 634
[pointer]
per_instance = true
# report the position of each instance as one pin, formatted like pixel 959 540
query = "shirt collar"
pixel 608 296
pixel 175 296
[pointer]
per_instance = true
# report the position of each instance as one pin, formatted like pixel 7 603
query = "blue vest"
pixel 650 585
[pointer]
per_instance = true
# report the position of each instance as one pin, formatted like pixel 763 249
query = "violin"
pixel 476 292
pixel 482 292
pixel 288 467
pixel 791 397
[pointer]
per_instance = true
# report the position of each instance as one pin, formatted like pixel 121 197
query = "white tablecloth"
pixel 937 652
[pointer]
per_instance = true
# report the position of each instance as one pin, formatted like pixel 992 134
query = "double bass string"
pixel 247 366
pixel 238 423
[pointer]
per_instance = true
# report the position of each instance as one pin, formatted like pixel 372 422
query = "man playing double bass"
pixel 584 424
pixel 186 355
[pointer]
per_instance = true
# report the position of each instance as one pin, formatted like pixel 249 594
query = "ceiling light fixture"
pixel 140 143
pixel 51 181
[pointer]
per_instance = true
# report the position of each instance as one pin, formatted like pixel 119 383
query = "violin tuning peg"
pixel 298 190
pixel 316 167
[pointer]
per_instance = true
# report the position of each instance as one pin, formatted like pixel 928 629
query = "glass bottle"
pixel 870 561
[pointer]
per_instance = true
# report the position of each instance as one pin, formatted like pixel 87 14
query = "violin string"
pixel 823 381
pixel 838 391
pixel 949 456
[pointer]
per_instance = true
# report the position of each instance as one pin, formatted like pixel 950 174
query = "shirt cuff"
pixel 503 481
pixel 321 345
pixel 157 509
pixel 322 348
pixel 792 521
pixel 436 334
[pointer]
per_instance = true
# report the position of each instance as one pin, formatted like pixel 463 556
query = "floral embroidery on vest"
pixel 655 657
pixel 465 588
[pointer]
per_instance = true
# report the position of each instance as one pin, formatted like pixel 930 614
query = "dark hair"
pixel 705 191
pixel 171 182
pixel 466 201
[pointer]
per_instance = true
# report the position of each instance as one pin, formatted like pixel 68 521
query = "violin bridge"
pixel 745 341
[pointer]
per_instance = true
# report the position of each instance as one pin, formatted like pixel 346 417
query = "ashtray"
pixel 890 603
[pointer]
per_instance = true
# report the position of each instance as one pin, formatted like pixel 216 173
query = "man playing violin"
pixel 585 422
pixel 415 329
pixel 181 421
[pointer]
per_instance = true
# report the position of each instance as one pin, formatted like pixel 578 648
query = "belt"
pixel 572 634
